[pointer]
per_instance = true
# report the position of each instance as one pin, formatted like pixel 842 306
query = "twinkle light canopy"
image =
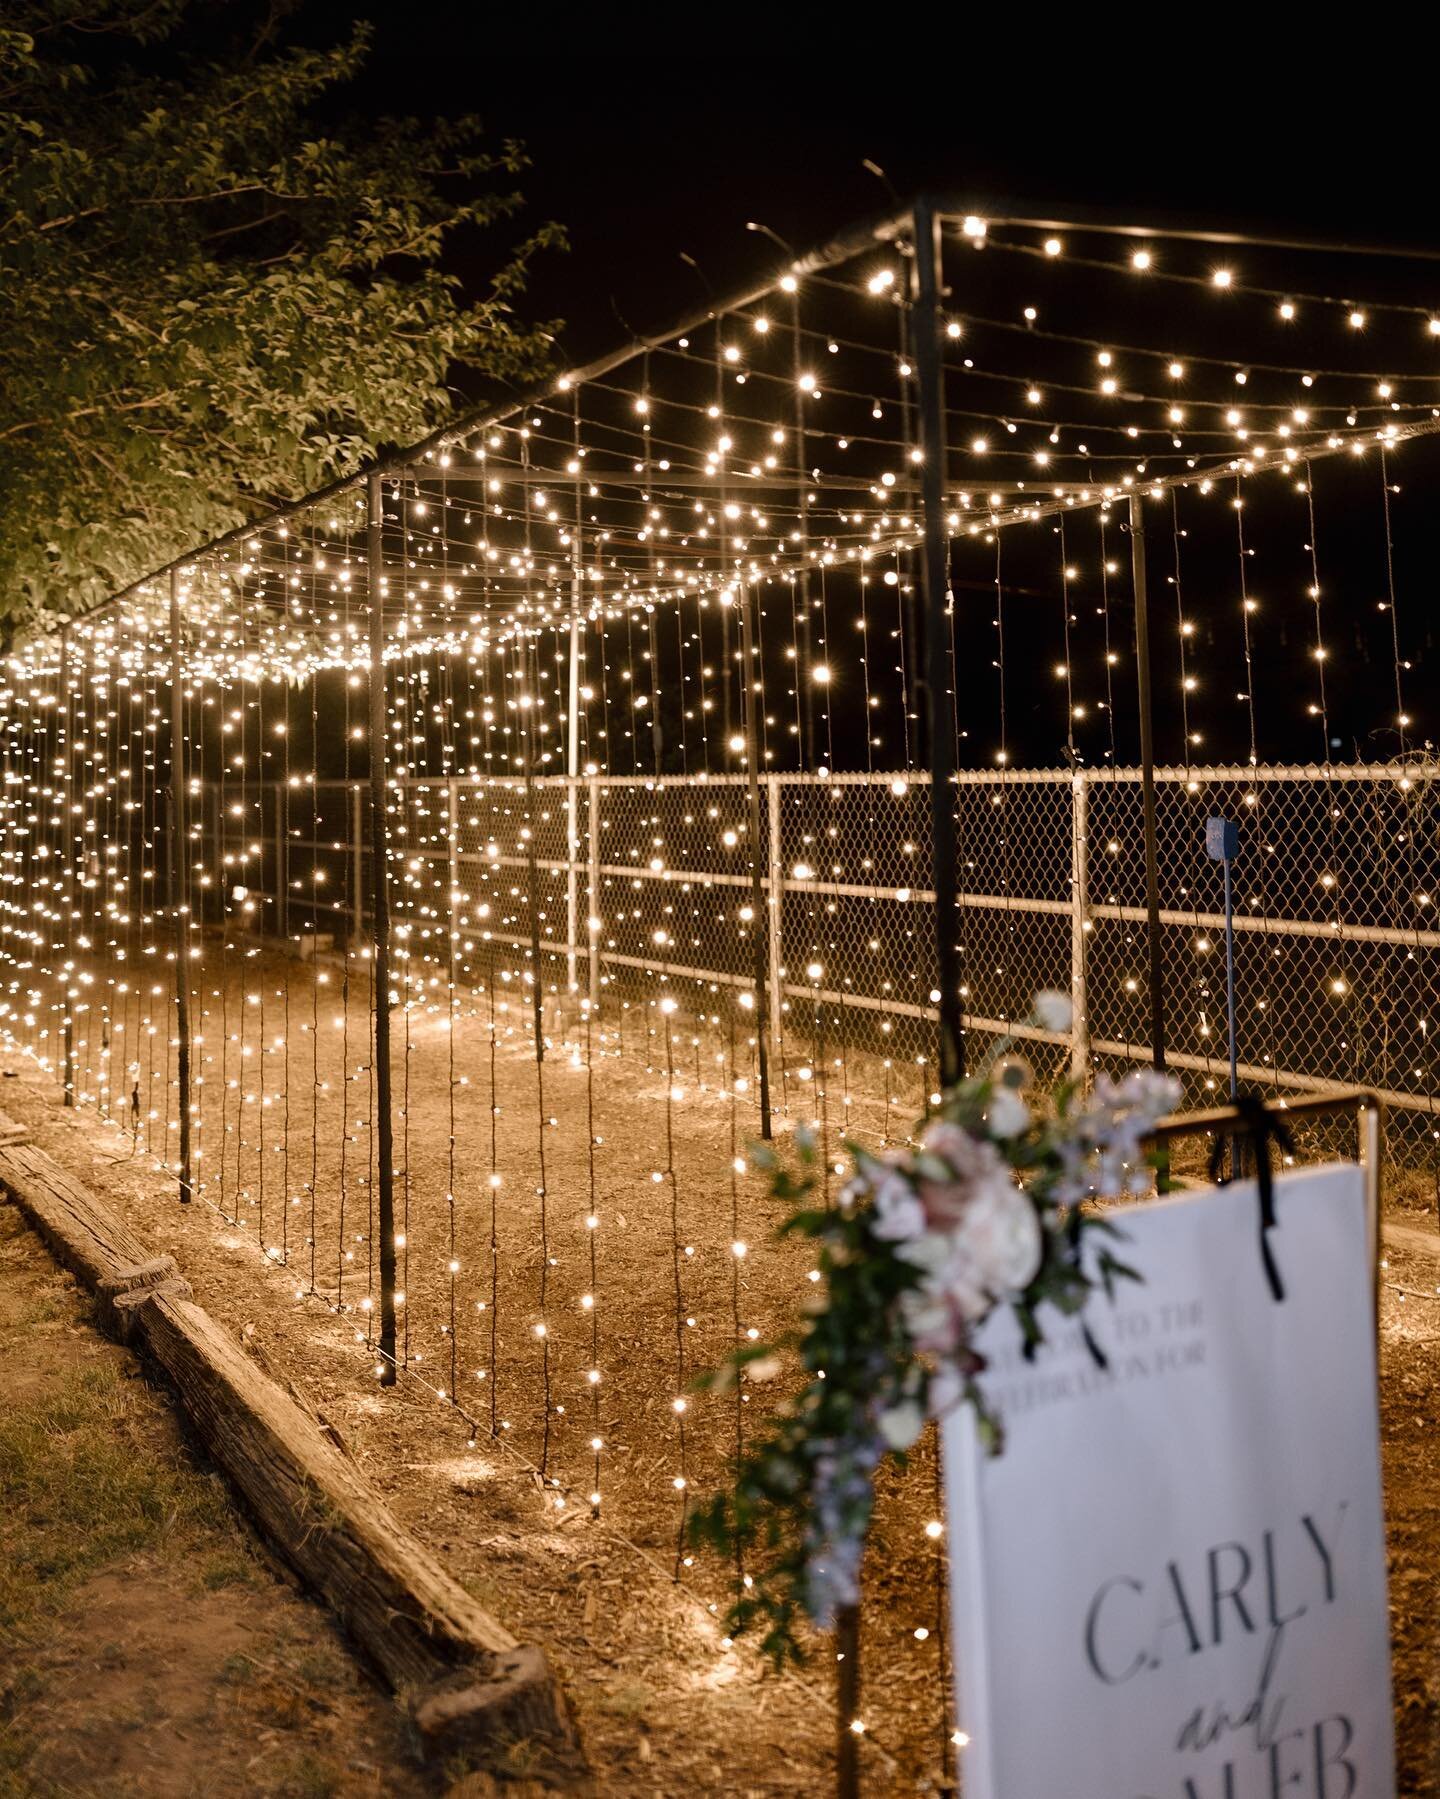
pixel 765 712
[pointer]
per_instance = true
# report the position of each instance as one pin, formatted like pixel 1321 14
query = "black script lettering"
pixel 1232 1593
pixel 1181 1615
pixel 1338 1758
pixel 1272 1589
pixel 1260 1716
pixel 1092 1621
pixel 1280 1778
pixel 1313 1532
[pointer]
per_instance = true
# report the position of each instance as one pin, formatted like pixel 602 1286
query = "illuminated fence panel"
pixel 1337 946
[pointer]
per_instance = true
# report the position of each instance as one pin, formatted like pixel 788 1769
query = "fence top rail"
pixel 899 780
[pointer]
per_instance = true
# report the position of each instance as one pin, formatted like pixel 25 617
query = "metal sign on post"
pixel 1216 1626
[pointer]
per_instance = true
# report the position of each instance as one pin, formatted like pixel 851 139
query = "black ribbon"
pixel 1261 1127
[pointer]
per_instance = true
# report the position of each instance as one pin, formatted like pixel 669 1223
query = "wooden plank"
pixel 464 1679
pixel 83 1234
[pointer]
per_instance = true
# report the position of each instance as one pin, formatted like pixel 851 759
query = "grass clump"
pixel 80 1488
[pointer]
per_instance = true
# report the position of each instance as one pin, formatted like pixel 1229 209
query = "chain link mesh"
pixel 1337 949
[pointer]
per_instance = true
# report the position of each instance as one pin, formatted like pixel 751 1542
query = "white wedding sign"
pixel 1171 1584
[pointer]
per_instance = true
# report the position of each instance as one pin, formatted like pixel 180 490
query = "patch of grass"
pixel 319 1666
pixel 17 1749
pixel 227 1568
pixel 40 1308
pixel 81 1487
pixel 313 1777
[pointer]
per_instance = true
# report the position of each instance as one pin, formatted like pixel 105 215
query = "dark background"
pixel 656 136
pixel 656 131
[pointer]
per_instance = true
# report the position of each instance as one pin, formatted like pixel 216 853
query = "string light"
pixel 574 738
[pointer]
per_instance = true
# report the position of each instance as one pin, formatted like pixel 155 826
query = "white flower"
pixel 1053 1011
pixel 947 1390
pixel 1008 1114
pixel 929 1251
pixel 899 1215
pixel 901 1424
pixel 999 1237
pixel 763 1368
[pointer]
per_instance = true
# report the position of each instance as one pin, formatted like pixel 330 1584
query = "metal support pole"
pixel 1079 929
pixel 65 895
pixel 179 880
pixel 357 860
pixel 452 873
pixel 572 784
pixel 925 296
pixel 592 838
pixel 380 913
pixel 282 864
pixel 761 924
pixel 776 865
pixel 1147 779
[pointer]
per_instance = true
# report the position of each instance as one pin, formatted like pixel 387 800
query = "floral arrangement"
pixel 984 1208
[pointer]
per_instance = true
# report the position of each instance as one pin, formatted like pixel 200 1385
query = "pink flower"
pixel 951 1142
pixel 976 1163
pixel 944 1203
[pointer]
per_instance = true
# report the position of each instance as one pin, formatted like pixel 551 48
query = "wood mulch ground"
pixel 664 1707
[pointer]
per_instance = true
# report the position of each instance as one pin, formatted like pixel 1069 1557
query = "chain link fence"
pixel 624 890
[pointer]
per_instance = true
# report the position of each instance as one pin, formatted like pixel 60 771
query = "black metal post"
pixel 763 923
pixel 847 1702
pixel 180 882
pixel 63 887
pixel 380 930
pixel 1147 781
pixel 925 294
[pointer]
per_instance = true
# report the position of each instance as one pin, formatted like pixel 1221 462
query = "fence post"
pixel 777 912
pixel 762 921
pixel 1147 781
pixel 380 917
pixel 926 275
pixel 1079 928
pixel 179 880
pixel 593 921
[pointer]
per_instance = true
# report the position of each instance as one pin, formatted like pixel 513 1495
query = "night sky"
pixel 643 152
pixel 653 142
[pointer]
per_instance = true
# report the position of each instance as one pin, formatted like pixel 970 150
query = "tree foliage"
pixel 209 302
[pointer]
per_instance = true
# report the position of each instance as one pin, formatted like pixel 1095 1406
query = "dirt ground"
pixel 664 1706
pixel 150 1645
